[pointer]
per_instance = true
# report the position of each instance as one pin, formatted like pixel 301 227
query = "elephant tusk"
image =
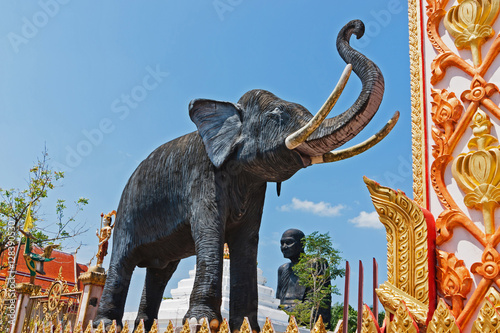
pixel 359 148
pixel 297 138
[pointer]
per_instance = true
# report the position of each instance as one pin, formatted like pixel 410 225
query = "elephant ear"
pixel 219 126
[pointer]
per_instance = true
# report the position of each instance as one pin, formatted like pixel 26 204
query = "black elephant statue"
pixel 196 192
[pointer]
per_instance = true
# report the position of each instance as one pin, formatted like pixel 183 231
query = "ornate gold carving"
pixel 140 327
pixel 154 328
pixel 245 326
pixel 112 328
pixel 204 326
pixel 340 327
pixel 170 327
pixel 89 327
pixel 403 321
pixel 493 296
pixel 292 326
pixel 125 328
pixel 268 327
pixel 391 298
pixel 94 278
pixel 100 328
pixel 78 328
pixel 226 251
pixel 224 327
pixel 319 327
pixel 54 295
pixel 185 327
pixel 470 24
pixel 453 280
pixel 478 172
pixel 488 319
pixel 417 106
pixel 442 320
pixel 369 323
pixel 406 230
pixel 27 288
pixel 59 328
pixel 67 328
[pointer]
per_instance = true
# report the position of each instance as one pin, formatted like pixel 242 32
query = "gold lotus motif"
pixel 478 172
pixel 470 24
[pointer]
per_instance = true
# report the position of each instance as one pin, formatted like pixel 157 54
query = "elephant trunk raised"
pixel 334 132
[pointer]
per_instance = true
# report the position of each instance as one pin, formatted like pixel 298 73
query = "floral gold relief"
pixel 478 171
pixel 470 24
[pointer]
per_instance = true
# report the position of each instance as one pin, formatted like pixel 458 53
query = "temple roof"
pixel 66 262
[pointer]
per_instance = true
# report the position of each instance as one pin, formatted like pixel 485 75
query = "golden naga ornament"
pixel 470 24
pixel 406 228
pixel 478 172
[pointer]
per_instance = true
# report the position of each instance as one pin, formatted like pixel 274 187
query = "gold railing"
pixel 43 327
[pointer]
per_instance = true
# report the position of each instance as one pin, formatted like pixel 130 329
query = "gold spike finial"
pixel 292 326
pixel 170 327
pixel 268 327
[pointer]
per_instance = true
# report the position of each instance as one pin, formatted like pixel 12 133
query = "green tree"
pixel 15 203
pixel 338 314
pixel 315 270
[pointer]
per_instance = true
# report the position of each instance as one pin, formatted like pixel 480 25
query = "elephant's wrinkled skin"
pixel 205 188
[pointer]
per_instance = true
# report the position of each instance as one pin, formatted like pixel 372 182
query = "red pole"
pixel 360 295
pixel 375 286
pixel 345 317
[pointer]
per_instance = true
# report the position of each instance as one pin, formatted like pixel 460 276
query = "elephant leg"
pixel 243 301
pixel 115 290
pixel 205 300
pixel 152 293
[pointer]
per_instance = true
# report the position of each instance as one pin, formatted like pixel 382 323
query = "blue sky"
pixel 103 84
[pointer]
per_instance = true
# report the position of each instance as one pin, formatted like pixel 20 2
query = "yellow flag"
pixel 28 224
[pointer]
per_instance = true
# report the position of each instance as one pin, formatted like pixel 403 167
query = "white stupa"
pixel 174 309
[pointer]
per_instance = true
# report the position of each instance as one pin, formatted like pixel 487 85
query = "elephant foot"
pixel 198 312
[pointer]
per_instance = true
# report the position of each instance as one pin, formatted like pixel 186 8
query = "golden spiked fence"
pixel 292 327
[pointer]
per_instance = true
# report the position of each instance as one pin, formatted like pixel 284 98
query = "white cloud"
pixel 321 208
pixel 367 220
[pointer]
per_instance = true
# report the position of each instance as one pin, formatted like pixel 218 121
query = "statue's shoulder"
pixel 283 267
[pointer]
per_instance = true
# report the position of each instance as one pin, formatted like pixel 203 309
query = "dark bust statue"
pixel 289 289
